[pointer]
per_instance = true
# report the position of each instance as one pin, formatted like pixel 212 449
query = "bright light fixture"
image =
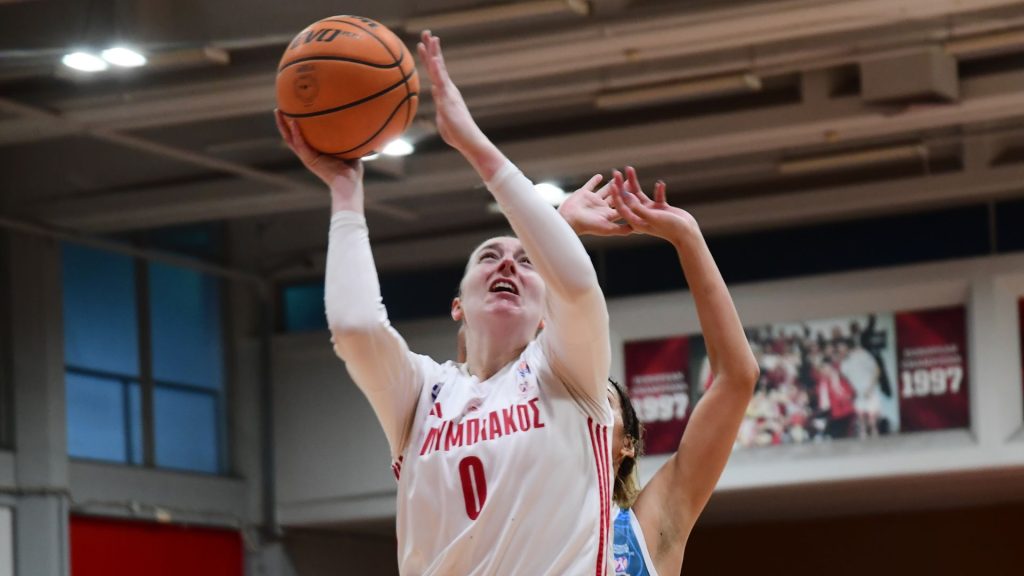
pixel 123 57
pixel 84 62
pixel 370 157
pixel 398 147
pixel 551 193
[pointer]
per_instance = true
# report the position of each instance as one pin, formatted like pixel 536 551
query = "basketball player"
pixel 861 369
pixel 654 523
pixel 503 462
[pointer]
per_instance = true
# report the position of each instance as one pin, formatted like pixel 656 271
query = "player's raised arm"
pixel 671 502
pixel 375 355
pixel 576 331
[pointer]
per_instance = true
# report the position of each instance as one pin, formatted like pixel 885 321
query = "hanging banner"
pixel 658 385
pixel 858 376
pixel 933 369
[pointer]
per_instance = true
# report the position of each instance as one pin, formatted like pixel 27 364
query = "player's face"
pixel 500 281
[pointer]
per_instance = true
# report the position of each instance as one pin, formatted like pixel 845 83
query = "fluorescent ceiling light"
pixel 501 13
pixel 551 193
pixel 84 62
pixel 123 57
pixel 999 41
pixel 686 90
pixel 853 159
pixel 398 147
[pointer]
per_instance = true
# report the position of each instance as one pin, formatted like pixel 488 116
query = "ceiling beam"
pixel 284 185
pixel 640 40
pixel 577 156
pixel 511 64
pixel 742 215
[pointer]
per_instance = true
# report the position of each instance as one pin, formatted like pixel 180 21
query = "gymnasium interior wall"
pixel 335 492
pixel 43 488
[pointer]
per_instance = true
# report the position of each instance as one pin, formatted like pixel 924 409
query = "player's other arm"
pixel 375 355
pixel 673 499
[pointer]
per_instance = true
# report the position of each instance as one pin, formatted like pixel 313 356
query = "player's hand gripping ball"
pixel 350 84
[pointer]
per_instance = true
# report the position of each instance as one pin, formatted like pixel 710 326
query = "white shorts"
pixel 868 403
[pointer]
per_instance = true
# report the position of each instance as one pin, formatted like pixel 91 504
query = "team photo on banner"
pixel 860 376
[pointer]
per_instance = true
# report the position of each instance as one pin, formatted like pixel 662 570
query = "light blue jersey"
pixel 630 548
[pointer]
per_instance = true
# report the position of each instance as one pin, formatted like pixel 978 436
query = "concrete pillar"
pixel 37 371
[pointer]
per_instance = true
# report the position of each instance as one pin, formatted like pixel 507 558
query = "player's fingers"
pixel 634 185
pixel 283 128
pixel 659 192
pixel 593 182
pixel 298 143
pixel 435 45
pixel 622 205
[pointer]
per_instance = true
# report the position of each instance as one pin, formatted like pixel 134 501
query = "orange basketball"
pixel 350 84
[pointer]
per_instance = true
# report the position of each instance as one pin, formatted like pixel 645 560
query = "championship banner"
pixel 658 386
pixel 933 369
pixel 852 377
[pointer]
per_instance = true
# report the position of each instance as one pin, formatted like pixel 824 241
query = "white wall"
pixel 6 542
pixel 332 460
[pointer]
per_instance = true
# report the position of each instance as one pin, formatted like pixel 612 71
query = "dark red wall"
pixel 102 547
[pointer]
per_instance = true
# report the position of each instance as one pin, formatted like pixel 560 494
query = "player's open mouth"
pixel 503 285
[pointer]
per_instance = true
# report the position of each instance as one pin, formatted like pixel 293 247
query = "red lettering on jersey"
pixel 472 431
pixel 523 412
pixel 491 426
pixel 440 434
pixel 536 413
pixel 436 410
pixel 483 429
pixel 495 426
pixel 454 435
pixel 428 441
pixel 508 417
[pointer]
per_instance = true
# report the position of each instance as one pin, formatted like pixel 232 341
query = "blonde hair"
pixel 627 481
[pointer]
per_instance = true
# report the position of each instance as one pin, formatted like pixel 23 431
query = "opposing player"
pixel 502 462
pixel 654 523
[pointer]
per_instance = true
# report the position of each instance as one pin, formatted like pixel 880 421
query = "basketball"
pixel 350 84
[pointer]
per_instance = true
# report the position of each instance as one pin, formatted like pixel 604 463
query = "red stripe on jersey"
pixel 396 467
pixel 597 442
pixel 606 504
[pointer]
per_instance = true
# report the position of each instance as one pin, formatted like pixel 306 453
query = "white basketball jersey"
pixel 509 476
